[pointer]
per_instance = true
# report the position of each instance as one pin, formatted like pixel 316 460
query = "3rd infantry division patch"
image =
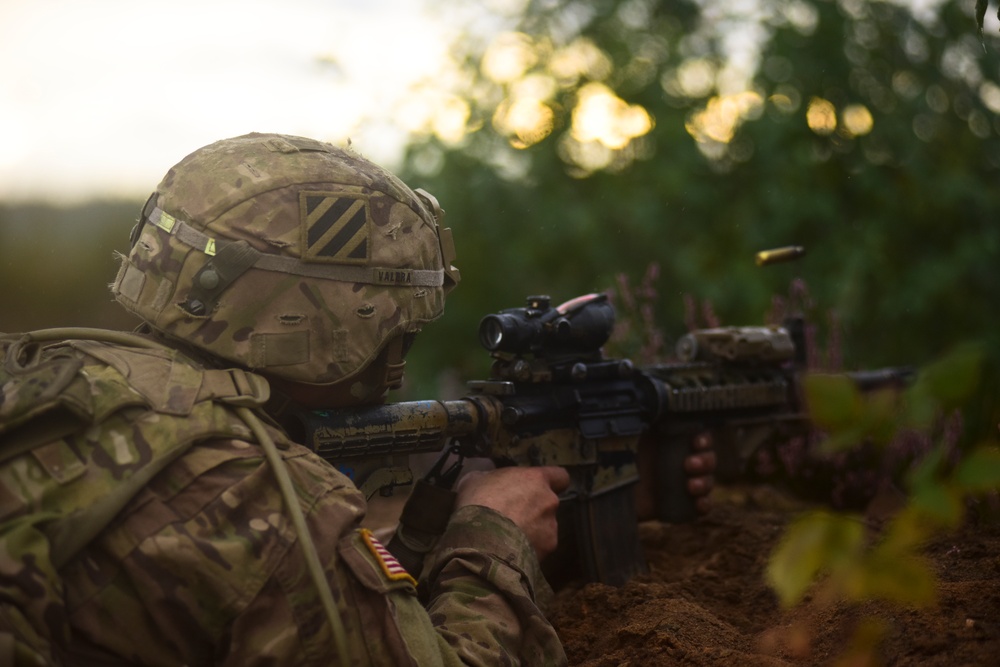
pixel 335 228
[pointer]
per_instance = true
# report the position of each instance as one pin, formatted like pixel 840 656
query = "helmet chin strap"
pixel 394 362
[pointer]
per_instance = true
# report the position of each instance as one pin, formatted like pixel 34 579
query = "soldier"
pixel 154 511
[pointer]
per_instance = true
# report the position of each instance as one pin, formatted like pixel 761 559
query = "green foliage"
pixel 980 471
pixel 636 335
pixel 814 544
pixel 951 382
pixel 835 552
pixel 835 549
pixel 839 408
pixel 56 264
pixel 850 416
pixel 899 222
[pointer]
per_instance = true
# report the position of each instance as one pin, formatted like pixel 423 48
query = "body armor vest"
pixel 84 426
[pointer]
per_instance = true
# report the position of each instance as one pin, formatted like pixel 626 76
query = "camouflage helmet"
pixel 287 255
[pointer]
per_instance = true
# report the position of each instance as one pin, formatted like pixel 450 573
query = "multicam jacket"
pixel 140 524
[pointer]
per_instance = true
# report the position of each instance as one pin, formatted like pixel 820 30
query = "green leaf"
pixel 921 410
pixel 928 469
pixel 939 503
pixel 906 580
pixel 844 439
pixel 834 401
pixel 852 417
pixel 881 416
pixel 894 569
pixel 812 545
pixel 952 380
pixel 979 471
pixel 907 531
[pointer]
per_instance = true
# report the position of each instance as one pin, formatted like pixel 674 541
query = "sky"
pixel 98 98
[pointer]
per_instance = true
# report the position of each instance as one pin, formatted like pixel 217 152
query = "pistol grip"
pixel 674 504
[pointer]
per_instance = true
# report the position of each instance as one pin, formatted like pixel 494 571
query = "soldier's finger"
pixel 700 486
pixel 703 441
pixel 557 478
pixel 703 463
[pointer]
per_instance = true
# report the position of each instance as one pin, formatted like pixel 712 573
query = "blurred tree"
pixel 605 135
pixel 57 263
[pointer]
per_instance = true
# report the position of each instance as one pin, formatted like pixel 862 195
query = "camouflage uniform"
pixel 201 565
pixel 139 521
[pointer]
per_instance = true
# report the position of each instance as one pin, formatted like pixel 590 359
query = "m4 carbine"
pixel 553 399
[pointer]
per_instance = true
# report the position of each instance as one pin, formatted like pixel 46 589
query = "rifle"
pixel 553 399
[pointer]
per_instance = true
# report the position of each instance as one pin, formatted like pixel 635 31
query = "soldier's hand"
pixel 527 496
pixel 700 467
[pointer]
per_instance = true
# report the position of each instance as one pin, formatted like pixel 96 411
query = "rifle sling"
pixel 424 519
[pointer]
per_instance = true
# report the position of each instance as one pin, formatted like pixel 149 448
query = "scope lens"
pixel 491 332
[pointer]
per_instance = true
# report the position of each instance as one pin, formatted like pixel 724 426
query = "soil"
pixel 705 600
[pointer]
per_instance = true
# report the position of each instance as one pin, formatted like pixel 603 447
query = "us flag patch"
pixel 390 566
pixel 336 228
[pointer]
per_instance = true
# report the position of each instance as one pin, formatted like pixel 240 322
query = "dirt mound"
pixel 705 601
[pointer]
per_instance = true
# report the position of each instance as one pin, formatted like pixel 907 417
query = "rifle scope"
pixel 580 325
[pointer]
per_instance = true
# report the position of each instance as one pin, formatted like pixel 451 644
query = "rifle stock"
pixel 553 399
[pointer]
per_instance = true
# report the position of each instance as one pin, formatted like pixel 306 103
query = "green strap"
pixel 230 262
pixel 103 335
pixel 370 275
pixel 301 529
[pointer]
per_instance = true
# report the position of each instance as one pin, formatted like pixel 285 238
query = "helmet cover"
pixel 286 255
